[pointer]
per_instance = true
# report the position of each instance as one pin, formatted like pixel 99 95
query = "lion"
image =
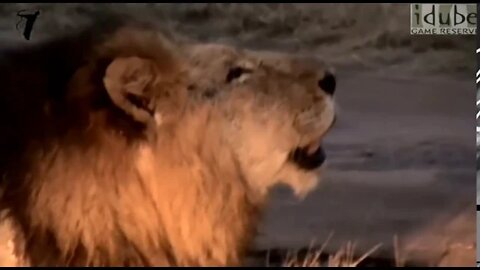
pixel 121 147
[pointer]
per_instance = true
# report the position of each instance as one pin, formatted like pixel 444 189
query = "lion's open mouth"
pixel 307 158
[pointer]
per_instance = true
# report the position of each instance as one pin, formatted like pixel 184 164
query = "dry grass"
pixel 399 258
pixel 344 257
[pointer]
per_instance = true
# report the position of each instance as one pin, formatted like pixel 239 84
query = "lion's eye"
pixel 236 72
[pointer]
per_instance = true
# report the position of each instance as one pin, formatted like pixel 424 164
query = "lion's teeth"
pixel 312 148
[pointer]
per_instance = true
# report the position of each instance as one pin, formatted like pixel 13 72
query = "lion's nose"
pixel 328 83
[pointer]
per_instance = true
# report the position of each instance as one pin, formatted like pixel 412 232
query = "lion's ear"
pixel 128 81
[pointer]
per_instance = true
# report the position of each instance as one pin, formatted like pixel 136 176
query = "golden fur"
pixel 126 150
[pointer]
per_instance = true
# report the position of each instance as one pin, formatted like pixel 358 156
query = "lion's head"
pixel 271 110
pixel 279 108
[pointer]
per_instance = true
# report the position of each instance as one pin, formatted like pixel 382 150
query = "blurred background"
pixel 365 35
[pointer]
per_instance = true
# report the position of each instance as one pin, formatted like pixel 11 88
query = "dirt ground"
pixel 401 156
pixel 400 163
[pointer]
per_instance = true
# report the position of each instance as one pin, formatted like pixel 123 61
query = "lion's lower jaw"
pixel 302 182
